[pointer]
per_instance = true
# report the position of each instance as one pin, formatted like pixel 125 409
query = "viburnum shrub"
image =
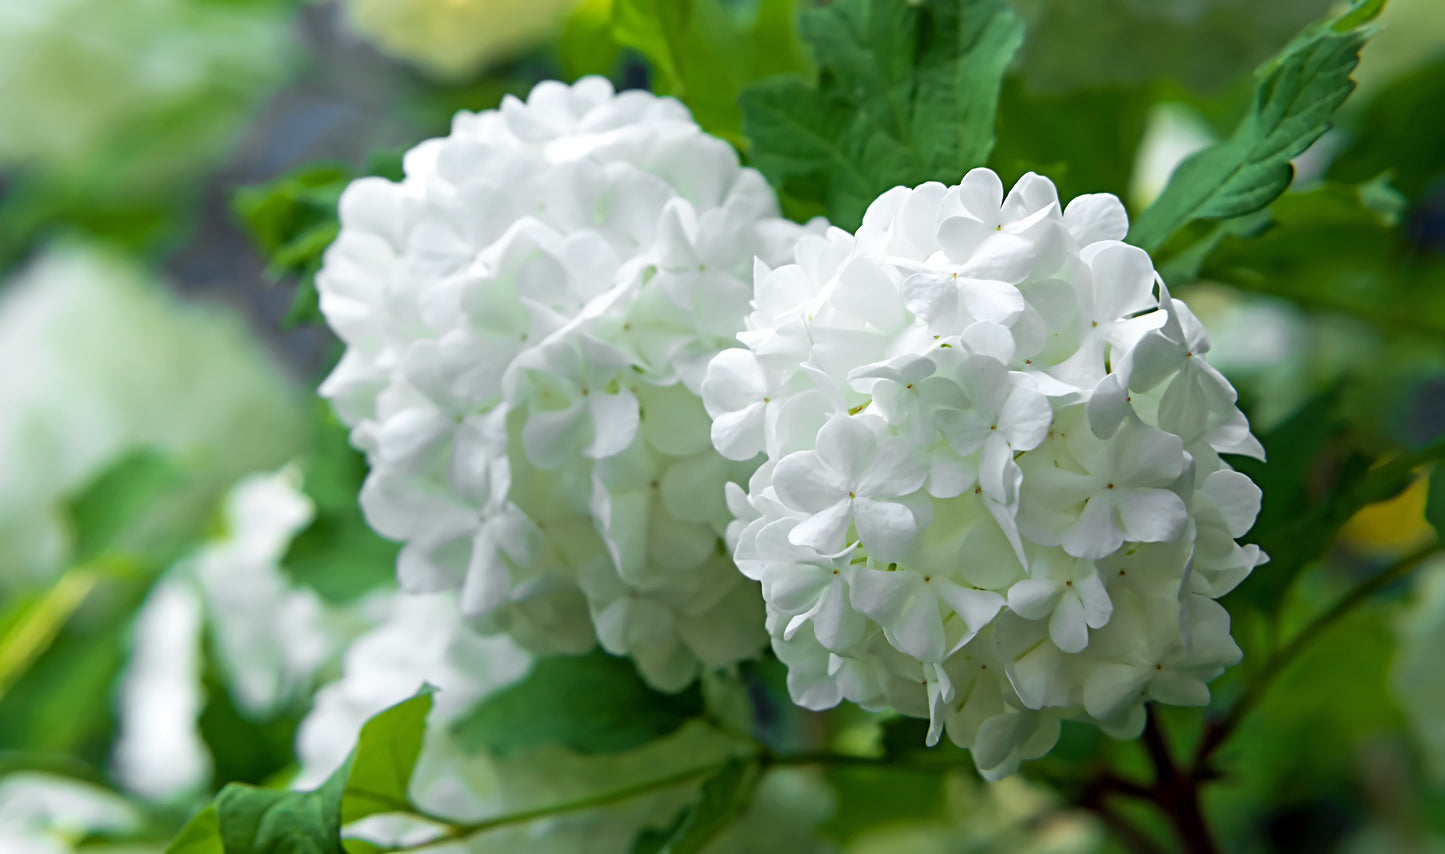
pixel 753 448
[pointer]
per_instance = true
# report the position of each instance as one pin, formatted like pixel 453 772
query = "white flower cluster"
pixel 993 493
pixel 528 316
pixel 270 638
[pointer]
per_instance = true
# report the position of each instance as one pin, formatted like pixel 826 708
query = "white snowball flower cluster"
pixel 993 493
pixel 528 316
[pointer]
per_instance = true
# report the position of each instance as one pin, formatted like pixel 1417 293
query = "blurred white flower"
pixel 93 78
pixel 270 638
pixel 452 38
pixel 1173 132
pixel 528 316
pixel 106 362
pixel 994 495
pixel 46 814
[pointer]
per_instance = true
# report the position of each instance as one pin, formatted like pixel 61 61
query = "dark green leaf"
pixel 705 51
pixel 1334 248
pixel 1296 96
pixel 1315 480
pixel 243 749
pixel 1084 142
pixel 1399 131
pixel 593 703
pixel 720 800
pixel 337 555
pixel 1435 501
pixel 292 220
pixel 907 93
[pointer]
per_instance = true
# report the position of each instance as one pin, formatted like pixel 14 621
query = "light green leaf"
pixel 384 759
pixel 593 703
pixel 586 43
pixel 906 93
pixel 720 800
pixel 202 835
pixel 705 51
pixel 249 820
pixel 1295 96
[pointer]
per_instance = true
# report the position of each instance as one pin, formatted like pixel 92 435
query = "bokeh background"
pixel 154 353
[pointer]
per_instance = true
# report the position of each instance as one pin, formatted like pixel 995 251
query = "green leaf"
pixel 1084 142
pixel 1335 248
pixel 293 219
pixel 249 820
pixel 1316 479
pixel 721 799
pixel 1435 502
pixel 202 835
pixel 586 43
pixel 1295 97
pixel 1399 130
pixel 705 51
pixel 273 821
pixel 878 796
pixel 593 703
pixel 384 759
pixel 338 555
pixel 109 509
pixel 906 93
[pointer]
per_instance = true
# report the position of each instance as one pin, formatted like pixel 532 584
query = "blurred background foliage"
pixel 161 341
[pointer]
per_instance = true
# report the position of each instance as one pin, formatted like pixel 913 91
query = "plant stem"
pixel 1177 793
pixel 454 832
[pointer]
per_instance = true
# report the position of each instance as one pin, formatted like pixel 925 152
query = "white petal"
pixel 1034 598
pixel 1151 515
pixel 847 445
pixel 614 423
pixel 1095 534
pixel 886 529
pixel 824 531
pixel 804 482
pixel 1067 628
pixel 1096 216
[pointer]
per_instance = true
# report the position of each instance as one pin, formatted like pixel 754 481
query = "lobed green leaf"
pixel 1295 96
pixel 906 93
